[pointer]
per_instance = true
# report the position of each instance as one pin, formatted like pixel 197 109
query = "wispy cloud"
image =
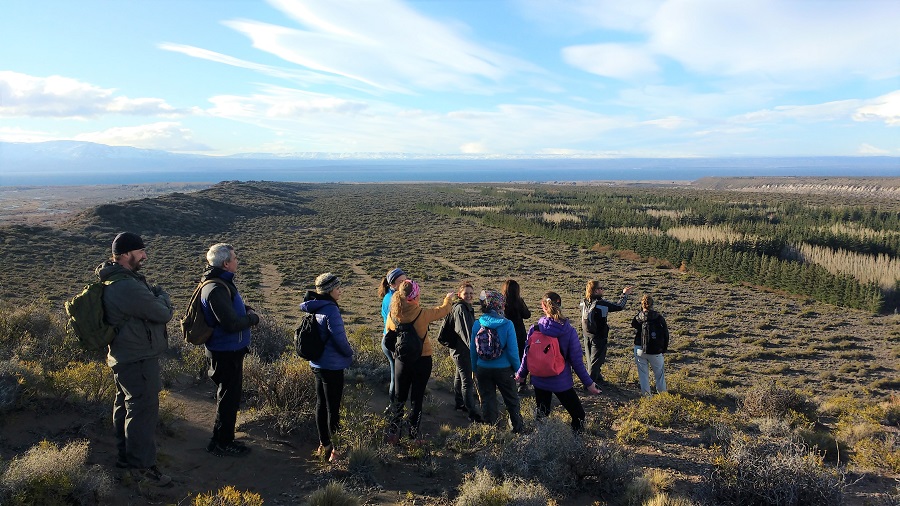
pixel 64 97
pixel 621 61
pixel 382 44
pixel 168 136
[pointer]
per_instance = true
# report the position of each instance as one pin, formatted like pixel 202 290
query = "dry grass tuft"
pixel 47 474
pixel 228 496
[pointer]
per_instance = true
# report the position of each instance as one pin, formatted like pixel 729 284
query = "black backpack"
pixel 308 339
pixel 408 347
pixel 446 333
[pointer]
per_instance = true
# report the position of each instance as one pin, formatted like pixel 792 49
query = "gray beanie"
pixel 327 282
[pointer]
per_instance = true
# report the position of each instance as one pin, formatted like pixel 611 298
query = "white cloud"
pixel 16 134
pixel 671 123
pixel 283 103
pixel 884 108
pixel 814 113
pixel 620 61
pixel 168 136
pixel 868 149
pixel 63 97
pixel 383 44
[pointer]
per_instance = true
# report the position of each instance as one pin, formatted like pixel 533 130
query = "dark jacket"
pixel 651 332
pixel 138 311
pixel 226 313
pixel 338 354
pixel 517 312
pixel 463 315
pixel 601 309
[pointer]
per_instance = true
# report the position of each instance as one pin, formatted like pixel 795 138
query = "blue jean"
pixel 655 362
pixel 392 392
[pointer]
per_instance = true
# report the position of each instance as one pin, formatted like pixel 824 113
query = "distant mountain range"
pixel 74 162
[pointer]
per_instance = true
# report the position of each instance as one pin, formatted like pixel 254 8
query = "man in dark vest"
pixel 231 320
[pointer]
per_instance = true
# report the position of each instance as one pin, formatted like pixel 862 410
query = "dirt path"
pixel 456 267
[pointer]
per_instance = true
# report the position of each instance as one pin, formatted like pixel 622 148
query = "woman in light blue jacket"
pixel 329 368
pixel 495 358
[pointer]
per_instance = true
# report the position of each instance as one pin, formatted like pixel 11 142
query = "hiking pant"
pixel 501 378
pixel 329 390
pixel 392 394
pixel 463 384
pixel 226 369
pixel 657 363
pixel 595 349
pixel 411 377
pixel 136 412
pixel 569 400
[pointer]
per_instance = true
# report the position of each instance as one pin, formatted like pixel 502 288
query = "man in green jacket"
pixel 140 313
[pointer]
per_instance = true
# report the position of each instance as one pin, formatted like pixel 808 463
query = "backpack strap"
pixel 218 282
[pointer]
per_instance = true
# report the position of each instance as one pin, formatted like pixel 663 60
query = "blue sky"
pixel 635 78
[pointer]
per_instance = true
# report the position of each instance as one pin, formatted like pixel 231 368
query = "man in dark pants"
pixel 231 320
pixel 140 313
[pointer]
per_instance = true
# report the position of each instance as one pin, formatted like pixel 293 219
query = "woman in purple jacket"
pixel 329 368
pixel 554 324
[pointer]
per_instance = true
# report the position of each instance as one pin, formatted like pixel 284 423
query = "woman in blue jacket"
pixel 495 358
pixel 555 325
pixel 337 356
pixel 389 284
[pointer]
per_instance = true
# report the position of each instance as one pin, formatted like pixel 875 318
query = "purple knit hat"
pixel 492 300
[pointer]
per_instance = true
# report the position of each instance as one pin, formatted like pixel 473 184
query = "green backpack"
pixel 87 319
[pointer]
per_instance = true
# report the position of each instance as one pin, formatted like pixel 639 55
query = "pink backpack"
pixel 544 358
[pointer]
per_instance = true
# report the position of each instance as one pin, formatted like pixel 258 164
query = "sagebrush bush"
pixel 90 382
pixel 769 471
pixel 228 496
pixel 556 456
pixel 47 474
pixel 333 494
pixel 480 488
pixel 772 400
pixel 36 333
pixel 648 485
pixel 631 431
pixel 667 500
pixel 270 339
pixel 880 452
pixel 285 390
pixel 666 410
pixel 369 360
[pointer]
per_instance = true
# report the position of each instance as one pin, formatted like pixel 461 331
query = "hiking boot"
pixel 334 457
pixel 151 476
pixel 230 449
pixel 461 408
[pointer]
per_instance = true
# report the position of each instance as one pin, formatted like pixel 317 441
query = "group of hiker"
pixel 492 352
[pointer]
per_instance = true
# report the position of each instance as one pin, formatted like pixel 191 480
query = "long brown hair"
pixel 589 290
pixel 511 291
pixel 552 303
pixel 647 302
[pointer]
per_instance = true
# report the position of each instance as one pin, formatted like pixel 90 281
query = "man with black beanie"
pixel 139 312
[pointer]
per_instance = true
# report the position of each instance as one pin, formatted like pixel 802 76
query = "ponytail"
pixel 552 302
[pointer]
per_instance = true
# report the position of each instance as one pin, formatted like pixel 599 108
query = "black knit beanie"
pixel 125 242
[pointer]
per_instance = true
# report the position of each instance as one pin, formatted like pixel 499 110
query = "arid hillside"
pixel 734 345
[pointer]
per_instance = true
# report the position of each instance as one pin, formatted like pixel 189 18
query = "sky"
pixel 582 78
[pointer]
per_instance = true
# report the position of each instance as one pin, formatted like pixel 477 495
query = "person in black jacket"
pixel 651 340
pixel 594 311
pixel 517 312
